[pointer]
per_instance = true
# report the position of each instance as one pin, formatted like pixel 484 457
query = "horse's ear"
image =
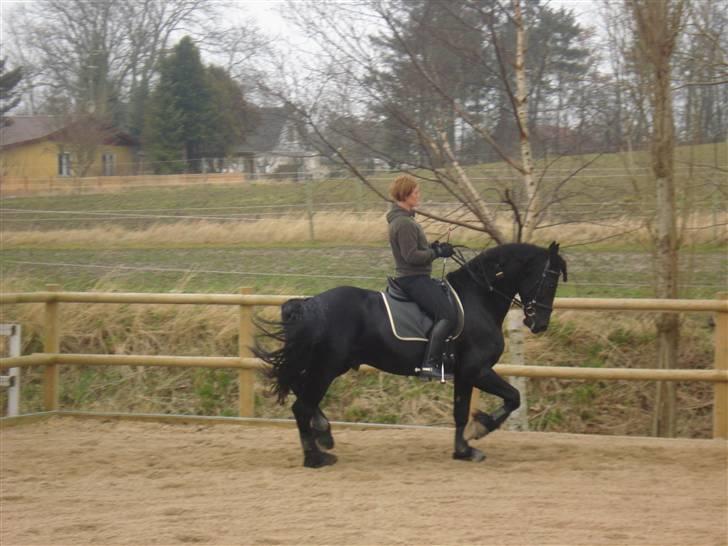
pixel 553 249
pixel 555 258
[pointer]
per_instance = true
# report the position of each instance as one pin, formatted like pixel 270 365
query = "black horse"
pixel 326 335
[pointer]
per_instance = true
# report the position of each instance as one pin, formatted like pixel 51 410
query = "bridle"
pixel 529 309
pixel 548 277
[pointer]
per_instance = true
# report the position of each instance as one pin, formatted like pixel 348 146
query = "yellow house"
pixel 47 146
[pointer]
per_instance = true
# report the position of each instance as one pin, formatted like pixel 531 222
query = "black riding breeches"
pixel 430 296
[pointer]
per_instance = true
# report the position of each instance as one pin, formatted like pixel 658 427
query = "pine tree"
pixel 9 97
pixel 180 119
pixel 231 115
pixel 194 113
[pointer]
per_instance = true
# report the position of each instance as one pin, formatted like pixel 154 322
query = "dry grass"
pixel 574 338
pixel 337 228
pixel 616 340
pixel 14 186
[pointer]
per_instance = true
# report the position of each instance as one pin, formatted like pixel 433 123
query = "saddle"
pixel 408 321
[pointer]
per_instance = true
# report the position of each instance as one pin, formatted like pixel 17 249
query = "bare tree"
pixel 426 73
pixel 98 55
pixel 702 82
pixel 80 137
pixel 657 25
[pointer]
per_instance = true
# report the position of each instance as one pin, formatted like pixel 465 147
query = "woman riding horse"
pixel 413 258
pixel 327 335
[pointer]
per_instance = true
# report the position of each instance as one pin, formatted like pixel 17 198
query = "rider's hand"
pixel 443 250
pixel 446 250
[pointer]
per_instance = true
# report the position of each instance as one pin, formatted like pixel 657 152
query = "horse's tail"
pixel 298 333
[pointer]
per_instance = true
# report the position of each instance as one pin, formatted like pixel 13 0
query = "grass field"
pixel 219 238
pixel 605 186
pixel 307 269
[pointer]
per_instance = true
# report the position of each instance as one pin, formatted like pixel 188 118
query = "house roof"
pixel 267 132
pixel 268 135
pixel 27 129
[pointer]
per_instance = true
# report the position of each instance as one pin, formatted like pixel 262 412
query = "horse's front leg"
pixel 483 423
pixel 461 409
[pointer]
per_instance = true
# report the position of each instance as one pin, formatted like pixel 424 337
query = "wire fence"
pixel 597 205
pixel 711 217
pixel 591 274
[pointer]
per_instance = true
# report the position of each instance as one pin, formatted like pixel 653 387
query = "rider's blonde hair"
pixel 402 187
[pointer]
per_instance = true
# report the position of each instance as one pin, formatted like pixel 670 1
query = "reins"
pixel 529 308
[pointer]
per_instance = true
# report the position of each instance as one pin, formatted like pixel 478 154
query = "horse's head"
pixel 538 288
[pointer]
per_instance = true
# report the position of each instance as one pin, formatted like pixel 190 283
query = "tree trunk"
pixel 530 217
pixel 657 23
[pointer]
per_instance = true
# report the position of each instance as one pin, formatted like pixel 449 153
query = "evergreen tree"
pixel 231 115
pixel 9 97
pixel 180 119
pixel 195 113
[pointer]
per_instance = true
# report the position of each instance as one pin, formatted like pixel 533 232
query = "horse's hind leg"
pixel 321 429
pixel 483 423
pixel 313 426
pixel 313 457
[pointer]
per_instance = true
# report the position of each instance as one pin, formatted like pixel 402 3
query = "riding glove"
pixel 442 250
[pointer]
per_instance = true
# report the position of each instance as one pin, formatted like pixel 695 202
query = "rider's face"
pixel 413 199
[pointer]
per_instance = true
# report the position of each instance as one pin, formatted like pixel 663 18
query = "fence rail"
pixel 250 363
pixel 584 304
pixel 246 364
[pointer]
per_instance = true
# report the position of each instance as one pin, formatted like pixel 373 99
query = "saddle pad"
pixel 409 323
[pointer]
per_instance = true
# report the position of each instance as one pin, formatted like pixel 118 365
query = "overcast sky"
pixel 267 13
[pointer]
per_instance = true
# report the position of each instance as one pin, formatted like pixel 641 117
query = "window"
pixel 64 164
pixel 108 163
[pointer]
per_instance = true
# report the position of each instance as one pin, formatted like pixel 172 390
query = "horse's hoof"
pixel 471 454
pixel 317 460
pixel 480 425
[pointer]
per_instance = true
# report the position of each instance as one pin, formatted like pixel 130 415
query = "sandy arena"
pixel 78 481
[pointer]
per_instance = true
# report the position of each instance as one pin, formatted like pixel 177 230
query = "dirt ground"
pixel 78 481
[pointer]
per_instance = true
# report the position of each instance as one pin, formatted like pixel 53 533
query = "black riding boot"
pixel 432 365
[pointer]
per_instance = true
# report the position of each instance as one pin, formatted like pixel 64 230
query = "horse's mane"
pixel 491 260
pixel 508 251
pixel 505 254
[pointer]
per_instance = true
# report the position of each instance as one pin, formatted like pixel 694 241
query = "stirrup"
pixel 434 372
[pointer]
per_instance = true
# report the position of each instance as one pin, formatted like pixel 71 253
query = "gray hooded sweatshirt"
pixel 411 251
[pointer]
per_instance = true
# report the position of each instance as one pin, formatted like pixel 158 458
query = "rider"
pixel 413 258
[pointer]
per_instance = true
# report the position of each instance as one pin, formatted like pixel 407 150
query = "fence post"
pixel 51 344
pixel 12 332
pixel 720 390
pixel 246 378
pixel 14 390
pixel 519 418
pixel 309 208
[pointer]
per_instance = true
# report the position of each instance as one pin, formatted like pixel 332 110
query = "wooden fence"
pixel 52 358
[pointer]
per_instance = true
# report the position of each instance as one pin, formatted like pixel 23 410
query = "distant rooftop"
pixel 25 129
pixel 28 128
pixel 267 132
